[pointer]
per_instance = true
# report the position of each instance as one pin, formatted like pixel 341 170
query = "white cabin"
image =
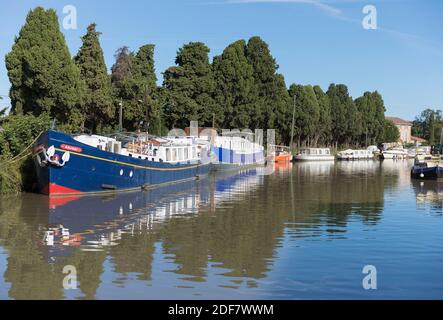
pixel 314 154
pixel 237 144
pixel 171 149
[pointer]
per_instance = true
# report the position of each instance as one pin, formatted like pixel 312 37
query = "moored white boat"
pixel 233 152
pixel 355 154
pixel 427 167
pixel 395 154
pixel 314 154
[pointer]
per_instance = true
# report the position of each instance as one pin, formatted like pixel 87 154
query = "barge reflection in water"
pixel 304 232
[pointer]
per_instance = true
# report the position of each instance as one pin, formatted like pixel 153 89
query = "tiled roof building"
pixel 404 127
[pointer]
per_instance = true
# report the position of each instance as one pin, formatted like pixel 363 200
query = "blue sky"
pixel 314 41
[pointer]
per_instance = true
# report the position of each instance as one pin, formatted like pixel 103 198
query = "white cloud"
pixel 320 5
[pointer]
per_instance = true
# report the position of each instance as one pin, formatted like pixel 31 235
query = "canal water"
pixel 304 232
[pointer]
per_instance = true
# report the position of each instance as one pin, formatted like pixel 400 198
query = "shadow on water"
pixel 232 223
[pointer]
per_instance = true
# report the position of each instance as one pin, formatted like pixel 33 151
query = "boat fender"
pixel 145 187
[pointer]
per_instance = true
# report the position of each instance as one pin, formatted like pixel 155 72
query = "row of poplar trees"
pixel 241 88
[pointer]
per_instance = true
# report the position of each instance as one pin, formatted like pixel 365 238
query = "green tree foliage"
pixel 240 89
pixel 134 82
pixel 121 69
pixel 372 110
pixel 323 133
pixel 307 113
pixel 98 106
pixel 16 134
pixel 2 111
pixel 282 109
pixel 236 90
pixel 346 122
pixel 190 86
pixel 272 103
pixel 390 132
pixel 42 75
pixel 428 125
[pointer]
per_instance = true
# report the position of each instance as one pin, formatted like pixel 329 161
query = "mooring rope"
pixel 20 156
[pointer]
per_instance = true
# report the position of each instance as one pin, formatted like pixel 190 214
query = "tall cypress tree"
pixel 346 126
pixel 371 109
pixel 143 70
pixel 271 88
pixel 190 87
pixel 380 110
pixel 98 106
pixel 42 75
pixel 134 81
pixel 282 108
pixel 323 132
pixel 236 90
pixel 122 66
pixel 307 113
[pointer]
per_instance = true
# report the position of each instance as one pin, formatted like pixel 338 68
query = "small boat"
pixel 282 154
pixel 233 152
pixel 427 167
pixel 314 154
pixel 395 154
pixel 351 154
pixel 76 165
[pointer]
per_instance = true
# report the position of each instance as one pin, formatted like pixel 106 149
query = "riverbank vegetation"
pixel 240 88
pixel 429 126
pixel 17 134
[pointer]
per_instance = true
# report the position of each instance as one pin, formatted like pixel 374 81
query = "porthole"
pixel 131 174
pixel 121 172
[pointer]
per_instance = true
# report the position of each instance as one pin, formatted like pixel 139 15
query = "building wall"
pixel 405 133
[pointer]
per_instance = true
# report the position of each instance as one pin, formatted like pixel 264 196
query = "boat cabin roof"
pixel 314 149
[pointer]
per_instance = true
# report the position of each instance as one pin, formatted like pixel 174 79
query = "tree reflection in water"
pixel 232 222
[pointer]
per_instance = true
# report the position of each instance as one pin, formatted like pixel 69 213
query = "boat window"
pixel 327 152
pixel 168 154
pixel 186 153
pixel 313 151
pixel 194 153
pixel 180 154
pixel 174 154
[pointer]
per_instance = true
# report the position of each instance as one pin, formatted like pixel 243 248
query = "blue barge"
pixel 73 165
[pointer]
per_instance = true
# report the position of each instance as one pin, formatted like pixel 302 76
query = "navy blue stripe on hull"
pixel 92 170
